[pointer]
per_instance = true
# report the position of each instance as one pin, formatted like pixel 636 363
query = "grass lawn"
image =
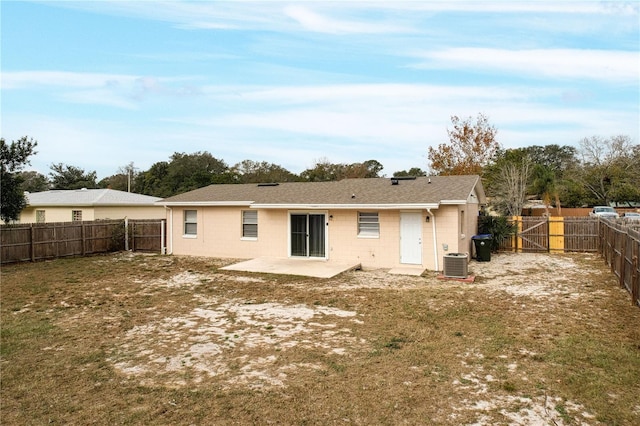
pixel 143 339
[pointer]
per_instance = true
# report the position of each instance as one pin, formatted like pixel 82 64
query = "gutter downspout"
pixel 170 231
pixel 435 239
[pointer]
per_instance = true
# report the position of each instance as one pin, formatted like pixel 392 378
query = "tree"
pixel 558 159
pixel 248 171
pixel 544 185
pixel 183 173
pixel 33 181
pixel 366 169
pixel 324 171
pixel 124 180
pixel 192 171
pixel 155 181
pixel 508 181
pixel 13 157
pixel 414 171
pixel 70 177
pixel 609 170
pixel 471 147
pixel 551 164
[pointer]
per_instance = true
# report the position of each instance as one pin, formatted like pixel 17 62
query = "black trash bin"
pixel 483 247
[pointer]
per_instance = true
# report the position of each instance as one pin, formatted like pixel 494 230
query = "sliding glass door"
pixel 308 234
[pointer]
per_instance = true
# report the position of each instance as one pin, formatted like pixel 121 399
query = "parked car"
pixel 604 211
pixel 631 216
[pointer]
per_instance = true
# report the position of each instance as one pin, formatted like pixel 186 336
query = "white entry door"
pixel 411 238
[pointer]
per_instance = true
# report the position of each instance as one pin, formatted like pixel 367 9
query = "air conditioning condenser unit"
pixel 455 265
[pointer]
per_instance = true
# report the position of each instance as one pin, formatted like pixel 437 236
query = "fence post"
pixel 83 235
pixel 623 254
pixel 518 222
pixel 55 239
pixel 635 284
pixel 126 234
pixel 556 234
pixel 32 245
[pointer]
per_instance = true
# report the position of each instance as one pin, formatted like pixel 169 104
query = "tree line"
pixel 598 171
pixel 185 172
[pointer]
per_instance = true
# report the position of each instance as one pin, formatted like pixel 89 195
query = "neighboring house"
pixel 378 222
pixel 89 204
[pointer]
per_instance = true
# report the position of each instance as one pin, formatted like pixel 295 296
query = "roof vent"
pixel 394 181
pixel 269 184
pixel 403 178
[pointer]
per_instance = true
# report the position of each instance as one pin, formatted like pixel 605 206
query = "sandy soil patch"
pixel 217 339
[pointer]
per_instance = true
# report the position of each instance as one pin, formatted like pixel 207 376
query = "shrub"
pixel 498 226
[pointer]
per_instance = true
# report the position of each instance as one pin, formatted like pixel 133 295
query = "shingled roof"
pixel 88 197
pixel 421 192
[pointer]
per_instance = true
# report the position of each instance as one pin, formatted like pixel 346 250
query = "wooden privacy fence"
pixel 146 235
pixel 553 234
pixel 620 249
pixel 40 241
pixel 617 242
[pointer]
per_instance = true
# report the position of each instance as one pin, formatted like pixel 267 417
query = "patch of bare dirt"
pixel 216 340
pixel 244 343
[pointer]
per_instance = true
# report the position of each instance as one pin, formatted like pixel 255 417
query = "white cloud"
pixel 316 22
pixel 116 90
pixel 614 66
pixel 537 6
pixel 386 116
pixel 270 15
pixel 357 95
pixel 28 79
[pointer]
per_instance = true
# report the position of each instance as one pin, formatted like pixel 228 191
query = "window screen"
pixel 190 222
pixel 249 224
pixel 368 224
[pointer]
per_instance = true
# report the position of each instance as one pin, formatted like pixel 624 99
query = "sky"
pixel 100 85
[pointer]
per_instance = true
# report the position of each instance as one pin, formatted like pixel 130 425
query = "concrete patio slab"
pixel 415 271
pixel 304 267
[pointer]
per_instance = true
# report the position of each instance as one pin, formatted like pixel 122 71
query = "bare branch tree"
pixel 609 169
pixel 511 190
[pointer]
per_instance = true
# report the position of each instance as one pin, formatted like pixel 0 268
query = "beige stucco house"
pixel 379 222
pixel 89 204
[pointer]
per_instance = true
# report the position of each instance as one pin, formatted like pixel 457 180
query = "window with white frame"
pixel 368 224
pixel 249 224
pixel 190 222
pixel 40 218
pixel 76 215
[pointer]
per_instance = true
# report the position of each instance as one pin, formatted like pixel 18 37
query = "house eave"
pixel 417 206
pixel 203 203
pixel 71 205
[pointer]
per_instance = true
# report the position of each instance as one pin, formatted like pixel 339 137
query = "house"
pixel 377 222
pixel 89 204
